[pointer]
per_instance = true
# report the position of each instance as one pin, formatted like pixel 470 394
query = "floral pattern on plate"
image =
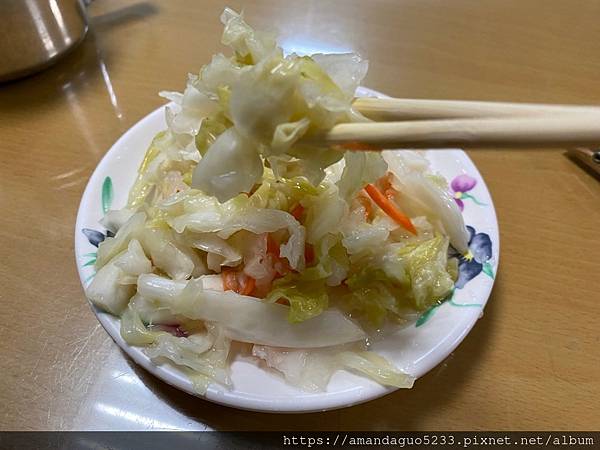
pixel 93 236
pixel 478 258
pixel 460 186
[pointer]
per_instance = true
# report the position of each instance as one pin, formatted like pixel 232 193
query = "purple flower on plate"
pixel 460 185
pixel 476 260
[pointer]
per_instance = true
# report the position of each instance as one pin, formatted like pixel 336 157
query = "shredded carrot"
pixel 389 208
pixel 248 285
pixel 230 282
pixel 272 246
pixel 297 211
pixel 237 281
pixel 309 254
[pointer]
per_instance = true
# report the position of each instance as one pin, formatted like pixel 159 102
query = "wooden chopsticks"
pixel 394 109
pixel 559 132
pixel 441 123
pixel 589 158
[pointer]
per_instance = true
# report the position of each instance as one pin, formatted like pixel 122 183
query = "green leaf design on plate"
pixel 488 270
pixel 474 305
pixel 424 318
pixel 469 196
pixel 91 262
pixel 107 194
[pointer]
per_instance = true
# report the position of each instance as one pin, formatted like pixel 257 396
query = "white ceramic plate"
pixel 415 349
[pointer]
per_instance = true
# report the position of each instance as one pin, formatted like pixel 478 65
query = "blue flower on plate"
pixel 95 237
pixel 476 260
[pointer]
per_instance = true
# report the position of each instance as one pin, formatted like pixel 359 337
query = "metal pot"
pixel 36 33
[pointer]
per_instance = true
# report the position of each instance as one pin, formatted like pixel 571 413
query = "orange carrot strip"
pixel 272 246
pixel 230 282
pixel 248 285
pixel 389 208
pixel 309 254
pixel 297 211
pixel 237 281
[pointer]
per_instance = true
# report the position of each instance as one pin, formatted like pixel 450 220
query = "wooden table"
pixel 532 362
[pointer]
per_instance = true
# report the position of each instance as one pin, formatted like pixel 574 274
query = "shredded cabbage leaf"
pixel 247 319
pixel 311 370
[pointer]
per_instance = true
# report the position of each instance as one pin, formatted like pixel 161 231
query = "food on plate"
pixel 238 229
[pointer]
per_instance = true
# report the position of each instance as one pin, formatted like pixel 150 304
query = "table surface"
pixel 532 361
